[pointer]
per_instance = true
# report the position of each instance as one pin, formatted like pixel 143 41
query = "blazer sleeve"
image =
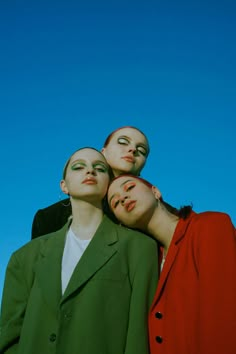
pixel 14 302
pixel 51 219
pixel 217 285
pixel 144 285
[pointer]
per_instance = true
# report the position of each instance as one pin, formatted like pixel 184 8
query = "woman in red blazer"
pixel 194 308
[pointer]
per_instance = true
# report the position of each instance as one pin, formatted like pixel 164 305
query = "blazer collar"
pixel 179 234
pixel 48 271
pixel 101 248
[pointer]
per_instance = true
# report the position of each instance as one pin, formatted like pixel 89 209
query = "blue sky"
pixel 73 71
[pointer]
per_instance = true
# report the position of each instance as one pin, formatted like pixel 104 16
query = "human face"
pixel 86 176
pixel 132 201
pixel 126 151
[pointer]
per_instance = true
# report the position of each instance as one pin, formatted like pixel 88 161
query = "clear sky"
pixel 73 71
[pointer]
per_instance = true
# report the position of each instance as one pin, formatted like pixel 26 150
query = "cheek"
pixel 120 214
pixel 115 211
pixel 119 149
pixel 104 186
pixel 111 156
pixel 141 160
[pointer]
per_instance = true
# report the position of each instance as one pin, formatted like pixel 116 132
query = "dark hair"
pixel 183 212
pixel 107 210
pixel 108 139
pixel 86 147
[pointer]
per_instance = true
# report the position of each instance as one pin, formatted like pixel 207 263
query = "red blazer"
pixel 194 309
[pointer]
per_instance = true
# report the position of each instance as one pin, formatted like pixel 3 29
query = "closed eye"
pixel 123 141
pixel 142 150
pixel 77 167
pixel 129 188
pixel 129 185
pixel 100 168
pixel 114 203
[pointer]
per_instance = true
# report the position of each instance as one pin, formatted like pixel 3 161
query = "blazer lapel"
pixel 175 245
pixel 172 253
pixel 101 248
pixel 48 270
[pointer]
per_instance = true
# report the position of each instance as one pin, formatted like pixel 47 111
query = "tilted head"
pixel 132 200
pixel 126 150
pixel 86 175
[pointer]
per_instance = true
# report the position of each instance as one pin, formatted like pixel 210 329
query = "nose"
pixel 91 171
pixel 123 199
pixel 132 149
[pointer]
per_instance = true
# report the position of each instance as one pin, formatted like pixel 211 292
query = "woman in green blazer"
pixel 87 289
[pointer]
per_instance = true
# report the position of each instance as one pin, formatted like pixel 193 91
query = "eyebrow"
pixel 93 162
pixel 124 136
pixel 140 144
pixel 122 184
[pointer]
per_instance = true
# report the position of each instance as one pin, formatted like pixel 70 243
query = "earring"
pixel 60 198
pixel 66 205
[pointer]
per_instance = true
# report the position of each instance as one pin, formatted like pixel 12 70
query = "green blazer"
pixel 104 309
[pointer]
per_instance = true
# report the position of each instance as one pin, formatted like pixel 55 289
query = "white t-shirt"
pixel 73 250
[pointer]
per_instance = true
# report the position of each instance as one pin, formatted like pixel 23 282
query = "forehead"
pixel 132 134
pixel 88 154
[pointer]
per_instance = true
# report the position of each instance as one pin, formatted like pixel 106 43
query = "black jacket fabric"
pixel 51 218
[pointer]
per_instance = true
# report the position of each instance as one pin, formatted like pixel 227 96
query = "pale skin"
pixel 127 151
pixel 86 182
pixel 138 206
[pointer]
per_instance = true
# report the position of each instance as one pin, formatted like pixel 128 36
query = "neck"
pixel 162 226
pixel 86 218
pixel 116 173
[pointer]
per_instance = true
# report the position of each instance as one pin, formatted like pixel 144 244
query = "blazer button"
pixel 159 339
pixel 67 316
pixel 158 315
pixel 52 337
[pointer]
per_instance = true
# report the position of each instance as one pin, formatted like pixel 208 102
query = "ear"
pixel 103 151
pixel 63 186
pixel 156 192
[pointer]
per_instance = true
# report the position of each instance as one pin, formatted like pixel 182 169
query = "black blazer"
pixel 51 218
pixel 55 216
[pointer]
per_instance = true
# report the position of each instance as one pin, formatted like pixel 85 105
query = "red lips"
pixel 130 205
pixel 89 180
pixel 129 158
